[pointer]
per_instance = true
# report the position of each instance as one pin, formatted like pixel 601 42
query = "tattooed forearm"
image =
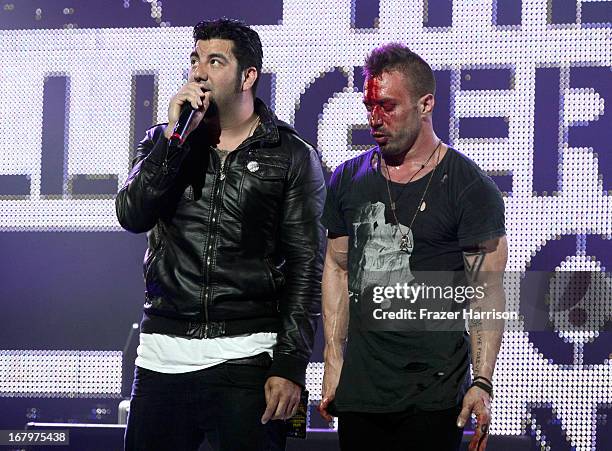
pixel 484 266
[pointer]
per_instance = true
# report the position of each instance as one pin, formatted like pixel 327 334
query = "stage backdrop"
pixel 524 89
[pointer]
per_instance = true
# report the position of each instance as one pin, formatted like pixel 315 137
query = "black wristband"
pixel 484 387
pixel 484 379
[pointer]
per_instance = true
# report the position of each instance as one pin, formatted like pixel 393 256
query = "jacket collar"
pixel 267 131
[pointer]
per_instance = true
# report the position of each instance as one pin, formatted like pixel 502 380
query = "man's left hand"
pixel 477 401
pixel 282 399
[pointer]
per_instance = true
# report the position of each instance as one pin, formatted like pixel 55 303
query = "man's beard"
pixel 393 149
pixel 212 110
pixel 390 150
pixel 400 145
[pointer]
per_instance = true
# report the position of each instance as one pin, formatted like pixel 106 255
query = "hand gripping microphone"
pixel 182 125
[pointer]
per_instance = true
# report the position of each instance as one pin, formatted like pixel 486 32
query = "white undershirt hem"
pixel 172 354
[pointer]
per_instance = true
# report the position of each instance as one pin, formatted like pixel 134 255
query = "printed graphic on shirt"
pixel 376 258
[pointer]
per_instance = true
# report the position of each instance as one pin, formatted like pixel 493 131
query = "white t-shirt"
pixel 172 354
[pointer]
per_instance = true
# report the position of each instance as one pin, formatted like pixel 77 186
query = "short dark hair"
pixel 247 45
pixel 399 57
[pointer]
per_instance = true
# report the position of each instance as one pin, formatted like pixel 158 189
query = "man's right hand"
pixel 331 377
pixel 194 93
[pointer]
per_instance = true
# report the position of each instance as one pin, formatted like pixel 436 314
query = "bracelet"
pixel 484 387
pixel 484 379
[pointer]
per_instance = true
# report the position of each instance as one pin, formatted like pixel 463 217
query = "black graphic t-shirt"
pixel 396 370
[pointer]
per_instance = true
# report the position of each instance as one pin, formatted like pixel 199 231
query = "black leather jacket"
pixel 233 249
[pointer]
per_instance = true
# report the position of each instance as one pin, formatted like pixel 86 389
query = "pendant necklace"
pixel 406 241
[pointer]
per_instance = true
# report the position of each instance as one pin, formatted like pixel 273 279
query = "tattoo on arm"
pixel 473 261
pixel 476 330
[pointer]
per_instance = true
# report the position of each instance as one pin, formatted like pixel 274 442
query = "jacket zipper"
pixel 213 225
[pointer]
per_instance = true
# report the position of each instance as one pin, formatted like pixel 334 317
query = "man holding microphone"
pixel 232 209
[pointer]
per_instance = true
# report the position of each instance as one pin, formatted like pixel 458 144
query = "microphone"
pixel 182 125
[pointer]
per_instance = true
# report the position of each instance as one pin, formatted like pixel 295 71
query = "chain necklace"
pixel 406 241
pixel 250 133
pixel 223 153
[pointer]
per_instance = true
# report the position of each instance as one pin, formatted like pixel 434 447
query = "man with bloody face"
pixel 234 262
pixel 411 204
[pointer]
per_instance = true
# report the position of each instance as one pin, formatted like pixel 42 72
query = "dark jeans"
pixel 413 430
pixel 222 404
